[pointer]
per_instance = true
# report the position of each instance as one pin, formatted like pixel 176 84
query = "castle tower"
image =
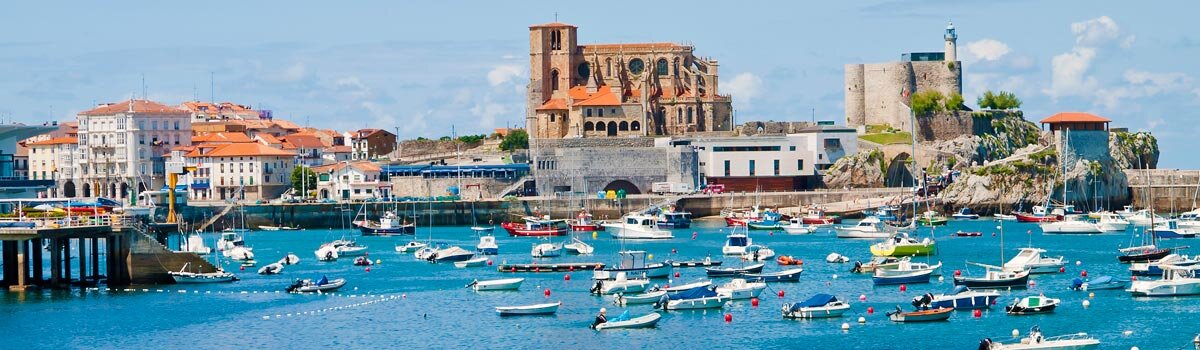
pixel 951 43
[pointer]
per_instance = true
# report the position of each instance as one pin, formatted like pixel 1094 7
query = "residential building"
pixel 121 146
pixel 351 181
pixel 53 159
pixel 208 111
pixel 308 148
pixel 241 171
pixel 371 143
pixel 336 154
pixel 12 186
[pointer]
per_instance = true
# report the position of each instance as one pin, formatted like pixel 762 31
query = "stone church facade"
pixel 619 90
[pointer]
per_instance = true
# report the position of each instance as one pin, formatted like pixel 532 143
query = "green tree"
pixel 954 102
pixel 928 101
pixel 471 138
pixel 444 138
pixel 298 180
pixel 517 139
pixel 1003 100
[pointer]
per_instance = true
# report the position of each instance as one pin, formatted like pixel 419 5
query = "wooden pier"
pixel 562 267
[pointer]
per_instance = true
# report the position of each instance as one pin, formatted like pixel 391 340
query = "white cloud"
pixel 503 74
pixel 1142 84
pixel 293 73
pixel 1100 31
pixel 744 88
pixel 987 49
pixel 1069 76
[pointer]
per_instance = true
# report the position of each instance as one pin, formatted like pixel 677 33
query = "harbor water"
pixel 403 302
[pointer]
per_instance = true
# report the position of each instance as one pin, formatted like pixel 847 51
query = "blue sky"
pixel 422 66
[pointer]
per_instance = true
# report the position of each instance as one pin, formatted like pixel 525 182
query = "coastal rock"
pixel 1133 150
pixel 1004 183
pixel 861 170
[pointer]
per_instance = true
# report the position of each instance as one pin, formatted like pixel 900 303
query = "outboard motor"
pixel 985 344
pixel 923 301
pixel 299 283
pixel 596 287
pixel 1077 284
pixel 857 267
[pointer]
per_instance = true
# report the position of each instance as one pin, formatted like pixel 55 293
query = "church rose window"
pixel 636 66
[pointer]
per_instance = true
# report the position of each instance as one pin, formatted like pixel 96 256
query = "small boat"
pixel 326 252
pixel 769 221
pixel 1098 283
pixel 1143 218
pixel 425 253
pixel 1071 224
pixel 1142 254
pixel 187 277
pixel 900 244
pixel 500 284
pixel 239 253
pixel 348 247
pixel 195 244
pixel 1039 215
pixel 869 227
pixel 621 284
pixel 271 269
pixel 674 219
pixel 735 244
pixel 876 263
pixel 633 263
pixel 526 310
pixel 931 315
pixel 758 253
pixel 738 289
pixel 451 254
pixel 644 298
pixel 835 258
pixel 906 265
pixel 931 218
pixel 1005 217
pixel 578 247
pixel 645 321
pixel 965 214
pixel 1170 229
pixel 1036 341
pixel 995 278
pixel 695 263
pixel 268 228
pixel 1031 259
pixel 1154 268
pixel 476 262
pixel 363 261
pixel 483 229
pixel 816 216
pixel 1176 281
pixel 389 224
pixel 787 260
pixel 963 298
pixel 680 288
pixel 536 227
pixel 410 247
pixel 693 299
pixel 322 285
pixel 732 271
pixel 487 245
pixel 797 226
pixel 817 306
pixel 638 226
pixel 1032 305
pixel 229 240
pixel 1110 222
pixel 290 259
pixel 789 275
pixel 248 263
pixel 546 250
pixel 584 223
pixel 962 233
pixel 907 277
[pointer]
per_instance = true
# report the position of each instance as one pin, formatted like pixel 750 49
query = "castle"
pixel 607 90
pixel 878 93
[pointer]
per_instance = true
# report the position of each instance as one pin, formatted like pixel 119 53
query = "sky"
pixel 423 67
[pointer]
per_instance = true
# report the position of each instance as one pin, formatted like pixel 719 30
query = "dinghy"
pixel 578 247
pixel 758 253
pixel 363 261
pixel 271 269
pixel 500 284
pixel 322 285
pixel 789 275
pixel 1036 341
pixel 695 298
pixel 817 306
pixel 645 321
pixel 476 262
pixel 733 271
pixel 1098 283
pixel 738 289
pixel 931 315
pixel 526 310
pixel 1032 305
pixel 644 298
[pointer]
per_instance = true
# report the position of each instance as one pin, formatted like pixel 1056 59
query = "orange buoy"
pixel 754 302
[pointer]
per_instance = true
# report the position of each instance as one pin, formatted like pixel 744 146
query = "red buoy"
pixel 754 302
pixel 547 292
pixel 781 293
pixel 1083 273
pixel 772 233
pixel 571 268
pixel 862 297
pixel 368 269
pixel 243 268
pixel 870 310
pixel 676 274
pixel 489 263
pixel 728 318
pixel 673 251
pixel 903 287
pixel 978 313
pixel 693 236
pixel 537 269
pixel 957 273
pixel 567 277
pixel 1062 269
pixel 1133 278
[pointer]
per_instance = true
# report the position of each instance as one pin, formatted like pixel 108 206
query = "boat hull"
pixel 1019 282
pixel 528 310
pixel 791 275
pixel 697 304
pixel 655 270
pixel 966 302
pixel 647 321
pixel 730 272
pixel 372 230
pixel 637 299
pixel 501 284
pixel 832 311
pixel 921 316
pixel 1144 256
pixel 1023 217
pixel 898 250
pixel 912 278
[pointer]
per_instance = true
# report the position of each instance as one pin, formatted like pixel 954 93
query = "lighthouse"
pixel 951 43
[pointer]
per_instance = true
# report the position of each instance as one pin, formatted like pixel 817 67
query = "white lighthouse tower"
pixel 951 43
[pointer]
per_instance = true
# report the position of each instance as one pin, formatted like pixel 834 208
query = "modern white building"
pixel 121 146
pixel 781 162
pixel 53 159
pixel 350 181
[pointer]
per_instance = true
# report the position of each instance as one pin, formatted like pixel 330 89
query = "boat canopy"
pixel 695 293
pixel 957 289
pixel 323 281
pixel 1101 280
pixel 814 301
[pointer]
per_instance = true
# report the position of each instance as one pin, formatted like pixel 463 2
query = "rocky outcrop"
pixel 861 170
pixel 1001 184
pixel 1009 134
pixel 1133 150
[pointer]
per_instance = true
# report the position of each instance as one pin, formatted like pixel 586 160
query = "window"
pixel 689 117
pixel 792 148
pixel 613 111
pixel 587 112
pixel 600 111
pixel 727 168
pixel 820 156
pixel 662 67
pixel 799 165
pixel 746 149
pixel 553 80
pixel 776 167
pixel 751 167
pixel 551 118
pixel 176 125
pixel 154 125
pixel 584 70
pixel 636 66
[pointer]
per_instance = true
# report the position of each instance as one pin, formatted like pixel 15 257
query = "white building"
pixel 350 181
pixel 53 159
pixel 121 146
pixel 239 171
pixel 769 162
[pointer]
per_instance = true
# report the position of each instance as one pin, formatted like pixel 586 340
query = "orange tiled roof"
pixel 553 105
pixel 602 97
pixel 54 141
pixel 360 165
pixel 338 149
pixel 139 106
pixel 268 138
pixel 241 149
pixel 229 137
pixel 305 141
pixel 1074 117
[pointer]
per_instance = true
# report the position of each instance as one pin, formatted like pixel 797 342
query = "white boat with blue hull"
pixel 963 298
pixel 634 263
pixel 909 277
pixel 789 275
pixel 1098 283
pixel 1154 268
pixel 1036 341
pixel 817 306
pixel 487 245
pixel 693 299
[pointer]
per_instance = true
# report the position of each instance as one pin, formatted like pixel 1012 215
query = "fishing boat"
pixel 1169 229
pixel 451 254
pixel 796 226
pixel 498 284
pixel 638 226
pixel 1098 283
pixel 965 214
pixel 1142 253
pixel 387 225
pixel 1036 341
pixel 583 223
pixel 271 269
pixel 876 263
pixel 738 289
pixel 578 247
pixel 1037 304
pixel 1039 215
pixel 475 262
pixel 1111 222
pixel 1070 224
pixel 786 260
pixel 693 299
pixel 188 277
pixel 732 271
pixel 736 243
pixel 695 263
pixel 322 285
pixel 816 216
pixel 487 245
pixel 1176 281
pixel 527 310
pixel 757 252
pixel 817 306
pixel 768 221
pixel 1031 259
pixel 620 284
pixel 900 244
pixel 963 298
pixel 789 275
pixel 645 321
pixel 995 277
pixel 931 315
pixel 633 262
pixel 904 277
pixel 671 219
pixel 869 227
pixel 643 298
pixel 536 227
pixel 410 247
pixel 931 218
pixel 1154 268
pixel 546 250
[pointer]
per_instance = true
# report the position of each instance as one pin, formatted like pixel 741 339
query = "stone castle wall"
pixel 874 90
pixel 591 169
pixel 950 125
pixel 855 110
pixel 593 142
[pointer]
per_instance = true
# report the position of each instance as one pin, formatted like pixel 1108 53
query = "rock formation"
pixel 863 169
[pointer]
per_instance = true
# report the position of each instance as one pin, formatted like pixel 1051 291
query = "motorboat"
pixel 963 298
pixel 905 266
pixel 1176 281
pixel 271 269
pixel 835 258
pixel 363 261
pixel 188 277
pixel 527 310
pixel 869 227
pixel 634 263
pixel 475 262
pixel 674 219
pixel 885 213
pixel 487 245
pixel 638 226
pixel 1144 217
pixel 1005 217
pixel 643 298
pixel 498 284
pixel 479 230
pixel 451 254
pixel 1169 229
pixel 425 253
pixel 1142 253
pixel 789 275
pixel 736 243
pixel 817 306
pixel 732 271
pixel 645 321
pixel 739 219
pixel 410 247
pixel 757 252
pixel 229 240
pixel 620 284
pixel 995 277
pixel 1154 268
pixel 706 262
pixel 876 263
pixel 965 214
pixel 327 252
pixel 387 225
pixel 239 253
pixel 693 299
pixel 1039 214
pixel 277 228
pixel 1111 222
pixel 739 288
pixel 1036 341
pixel 322 285
pixel 349 248
pixel 680 288
pixel 195 244
pixel 900 244
pixel 1076 224
pixel 930 315
pixel 768 221
pixel 578 247
pixel 1037 304
pixel 583 223
pixel 1098 283
pixel 796 226
pixel 546 250
pixel 932 218
pixel 1031 259
pixel 536 227
pixel 905 277
pixel 816 216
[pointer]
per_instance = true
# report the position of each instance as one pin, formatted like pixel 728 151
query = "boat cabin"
pixel 639 220
pixel 737 240
pixel 632 259
pixel 1172 272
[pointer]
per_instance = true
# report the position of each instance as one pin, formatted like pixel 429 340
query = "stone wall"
pixel 591 169
pixel 856 113
pixel 874 90
pixel 592 142
pixel 415 186
pixel 944 126
pixel 770 128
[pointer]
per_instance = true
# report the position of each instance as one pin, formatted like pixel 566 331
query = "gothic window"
pixel 584 71
pixel 551 117
pixel 679 115
pixel 608 67
pixel 554 80
pixel 676 66
pixel 689 116
pixel 588 126
pixel 636 66
pixel 556 40
pixel 662 67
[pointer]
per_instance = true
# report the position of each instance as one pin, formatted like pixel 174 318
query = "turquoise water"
pixel 418 303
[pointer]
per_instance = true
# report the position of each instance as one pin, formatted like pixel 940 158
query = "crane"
pixel 174 170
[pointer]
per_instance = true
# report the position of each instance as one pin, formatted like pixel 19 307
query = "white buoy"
pixel 1127 333
pixel 266 317
pixel 941 278
pixel 1077 263
pixel 1133 348
pixel 1016 333
pixel 835 276
pixel 845 326
pixel 862 319
pixel 1087 303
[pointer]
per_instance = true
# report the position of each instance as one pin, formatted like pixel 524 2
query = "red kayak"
pixel 1027 217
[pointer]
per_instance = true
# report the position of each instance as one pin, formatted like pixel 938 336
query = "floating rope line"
pixel 378 299
pixel 222 292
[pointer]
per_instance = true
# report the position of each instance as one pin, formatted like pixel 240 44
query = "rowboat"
pixel 1032 305
pixel 789 275
pixel 500 284
pixel 525 310
pixel 644 321
pixel 644 298
pixel 817 306
pixel 476 262
pixel 931 315
pixel 732 271
pixel 321 285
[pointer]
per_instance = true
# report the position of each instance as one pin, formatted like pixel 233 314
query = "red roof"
pixel 139 106
pixel 1075 117
pixel 220 137
pixel 553 105
pixel 54 141
pixel 305 141
pixel 241 149
pixel 338 149
pixel 364 166
pixel 601 98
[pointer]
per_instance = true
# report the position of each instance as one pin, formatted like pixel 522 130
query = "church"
pixel 619 90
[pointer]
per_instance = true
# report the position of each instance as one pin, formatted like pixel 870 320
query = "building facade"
pixel 239 171
pixel 371 143
pixel 878 93
pixel 121 147
pixel 604 90
pixel 351 181
pixel 53 159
